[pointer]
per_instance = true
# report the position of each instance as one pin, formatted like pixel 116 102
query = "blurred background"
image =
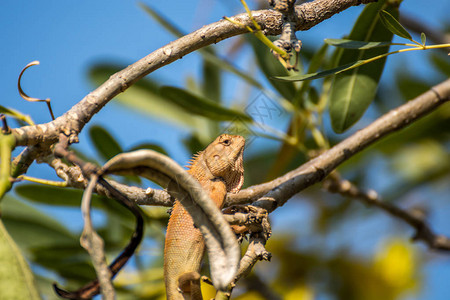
pixel 324 246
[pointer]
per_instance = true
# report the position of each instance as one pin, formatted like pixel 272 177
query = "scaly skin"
pixel 219 170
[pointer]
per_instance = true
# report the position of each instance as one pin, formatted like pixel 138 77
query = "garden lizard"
pixel 219 169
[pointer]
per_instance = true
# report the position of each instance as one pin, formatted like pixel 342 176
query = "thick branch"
pixel 278 191
pixel 73 121
pixel 222 247
pixel 74 178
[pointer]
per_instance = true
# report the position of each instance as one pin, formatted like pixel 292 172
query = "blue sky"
pixel 68 36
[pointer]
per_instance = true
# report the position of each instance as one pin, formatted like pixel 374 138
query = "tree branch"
pixel 278 191
pixel 93 243
pixel 74 178
pixel 414 218
pixel 73 121
pixel 313 171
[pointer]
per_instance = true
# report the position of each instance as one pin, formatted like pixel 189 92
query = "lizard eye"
pixel 226 142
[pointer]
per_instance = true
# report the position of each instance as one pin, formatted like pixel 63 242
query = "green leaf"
pixel 144 97
pixel 200 106
pixel 211 79
pixel 441 62
pixel 271 67
pixel 393 25
pixel 51 195
pixel 106 146
pixel 208 56
pixel 316 75
pixel 164 22
pixel 154 147
pixel 16 114
pixel 423 38
pixel 353 91
pixel 410 86
pixel 227 66
pixel 316 61
pixel 16 278
pixel 69 262
pixel 350 44
pixel 41 237
pixel 7 144
pixel 31 228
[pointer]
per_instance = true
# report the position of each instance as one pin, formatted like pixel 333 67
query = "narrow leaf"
pixel 353 91
pixel 271 67
pixel 393 25
pixel 441 63
pixel 144 97
pixel 410 86
pixel 207 55
pixel 51 195
pixel 321 74
pixel 227 66
pixel 32 228
pixel 316 62
pixel 16 114
pixel 211 78
pixel 164 22
pixel 105 144
pixel 350 44
pixel 423 38
pixel 200 106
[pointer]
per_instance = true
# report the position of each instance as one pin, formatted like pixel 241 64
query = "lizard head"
pixel 224 159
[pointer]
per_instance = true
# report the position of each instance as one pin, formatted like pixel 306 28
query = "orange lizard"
pixel 219 169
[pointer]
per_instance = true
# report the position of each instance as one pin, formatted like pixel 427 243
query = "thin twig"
pixel 94 244
pixel 417 26
pixel 5 128
pixel 423 231
pixel 279 190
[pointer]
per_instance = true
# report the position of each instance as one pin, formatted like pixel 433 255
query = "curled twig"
pixel 32 99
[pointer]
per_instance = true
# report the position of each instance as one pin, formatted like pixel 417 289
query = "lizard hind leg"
pixel 189 285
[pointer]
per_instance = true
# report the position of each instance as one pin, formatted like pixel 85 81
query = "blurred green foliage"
pixel 417 158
